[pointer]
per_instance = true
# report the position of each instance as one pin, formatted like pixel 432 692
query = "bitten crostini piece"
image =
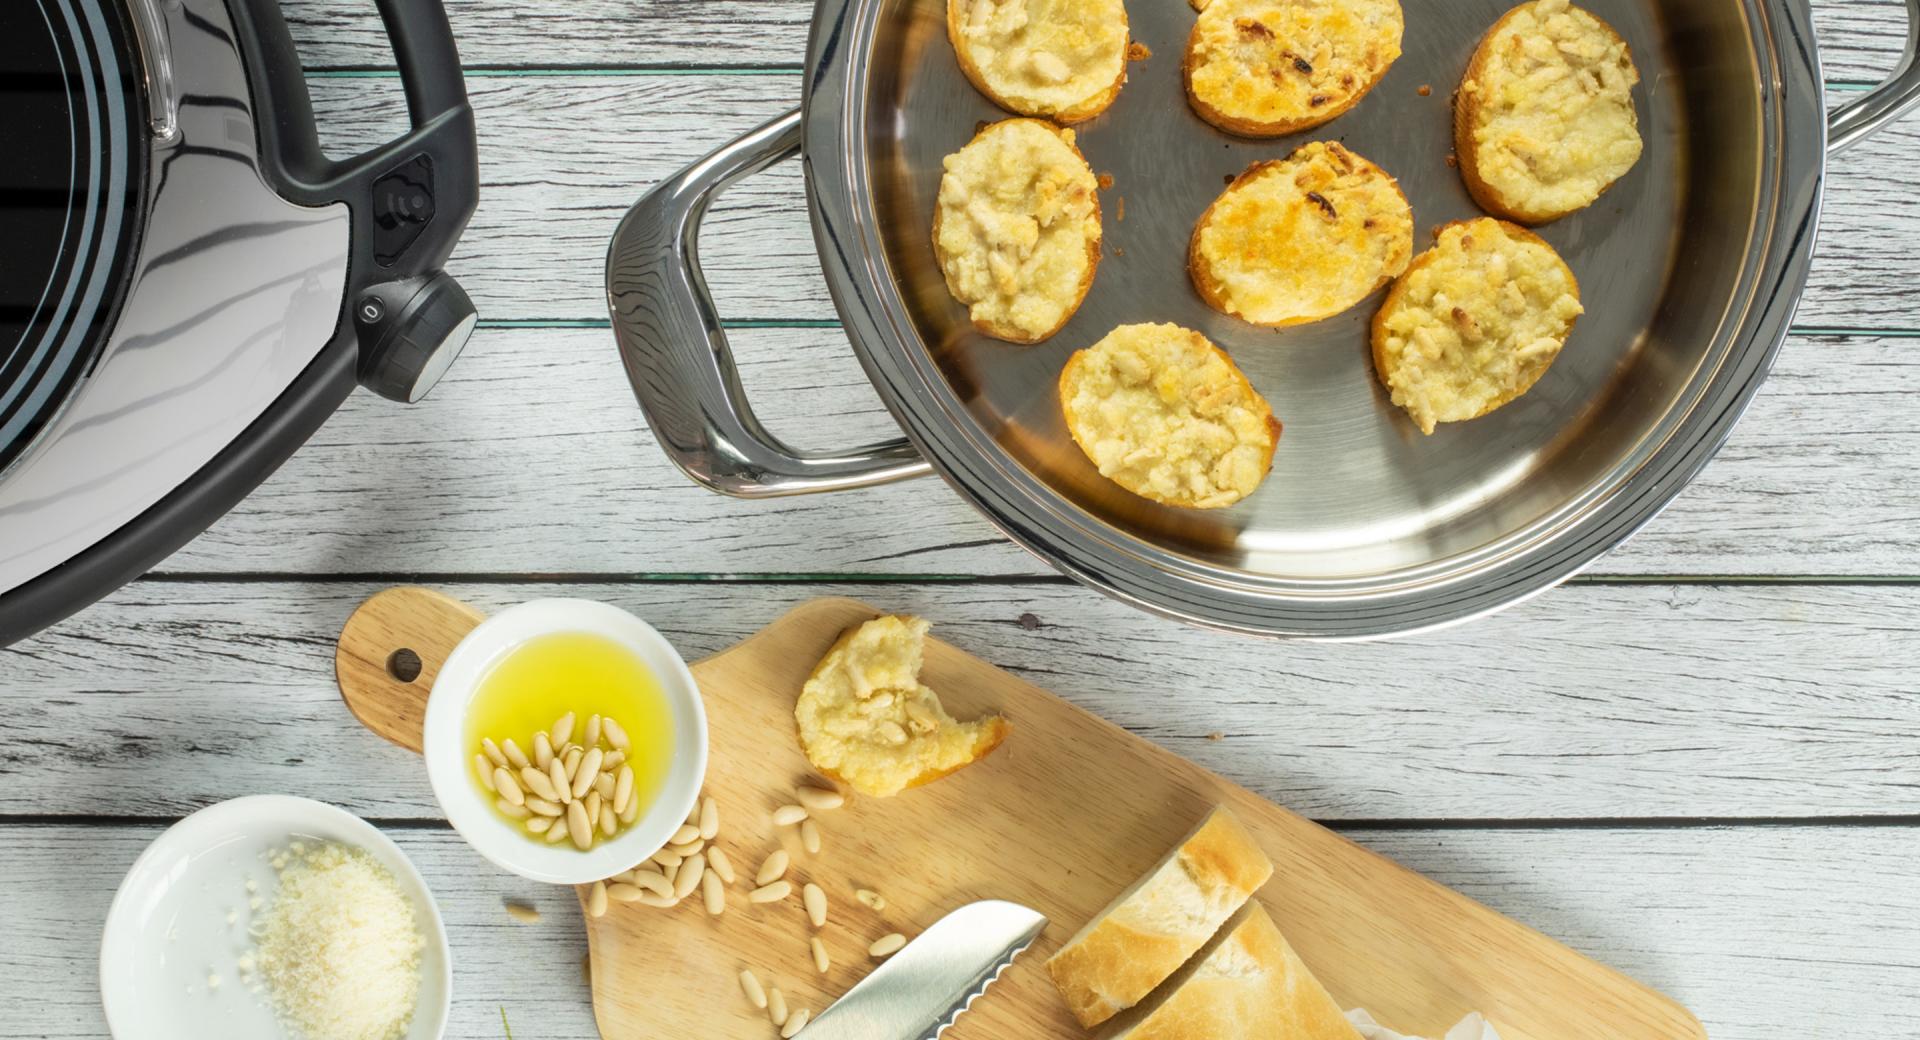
pixel 1063 60
pixel 1300 239
pixel 1265 68
pixel 1165 414
pixel 1474 323
pixel 866 720
pixel 1016 228
pixel 1544 119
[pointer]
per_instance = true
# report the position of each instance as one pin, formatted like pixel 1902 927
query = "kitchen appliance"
pixel 1691 266
pixel 190 285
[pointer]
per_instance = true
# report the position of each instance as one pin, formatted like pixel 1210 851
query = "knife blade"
pixel 918 992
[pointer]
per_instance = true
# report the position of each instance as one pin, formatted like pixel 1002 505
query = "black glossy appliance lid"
pixel 71 183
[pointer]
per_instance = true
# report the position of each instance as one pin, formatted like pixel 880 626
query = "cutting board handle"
pixel 389 653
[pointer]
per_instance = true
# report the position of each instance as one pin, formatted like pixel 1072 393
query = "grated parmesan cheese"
pixel 338 951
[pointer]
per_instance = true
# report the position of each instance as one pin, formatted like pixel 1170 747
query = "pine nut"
pixel 623 789
pixel 614 734
pixel 795 1023
pixel 522 913
pixel 815 899
pixel 788 815
pixel 631 812
pixel 651 899
pixel 772 893
pixel 693 814
pixel 614 760
pixel 593 808
pixel 608 821
pixel 773 868
pixel 492 751
pixel 578 828
pixel 515 757
pixel 542 751
pixel 484 766
pixel 718 862
pixel 887 945
pixel 512 811
pixel 892 732
pixel 508 790
pixel 652 881
pixel 709 818
pixel 815 799
pixel 714 893
pixel 597 900
pixel 556 833
pixel 586 770
pixel 820 960
pixel 593 731
pixel 604 784
pixel 667 860
pixel 688 877
pixel 562 729
pixel 810 836
pixel 871 899
pixel 625 893
pixel 777 1006
pixel 546 808
pixel 539 824
pixel 537 782
pixel 751 987
pixel 684 835
pixel 557 778
pixel 570 761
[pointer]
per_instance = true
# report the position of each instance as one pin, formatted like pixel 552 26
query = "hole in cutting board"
pixel 403 664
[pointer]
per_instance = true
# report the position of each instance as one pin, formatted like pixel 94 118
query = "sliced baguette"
pixel 1144 936
pixel 1246 984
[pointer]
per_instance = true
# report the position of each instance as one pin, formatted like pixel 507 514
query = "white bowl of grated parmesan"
pixel 274 917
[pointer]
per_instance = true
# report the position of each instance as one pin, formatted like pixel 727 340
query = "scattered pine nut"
pixel 562 731
pixel 518 812
pixel 718 862
pixel 795 1023
pixel 815 899
pixel 685 835
pixel 492 751
pixel 771 893
pixel 578 828
pixel 622 892
pixel 788 815
pixel 542 751
pixel 662 902
pixel 515 757
pixel 887 945
pixel 668 860
pixel 709 818
pixel 750 985
pixel 614 734
pixel 484 766
pixel 810 836
pixel 870 899
pixel 597 900
pixel 816 799
pixel 523 913
pixel 593 731
pixel 713 893
pixel 688 877
pixel 820 960
pixel 777 1006
pixel 773 868
pixel 687 851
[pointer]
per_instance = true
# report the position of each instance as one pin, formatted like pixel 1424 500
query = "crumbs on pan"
pixel 1425 90
pixel 1106 181
pixel 1137 51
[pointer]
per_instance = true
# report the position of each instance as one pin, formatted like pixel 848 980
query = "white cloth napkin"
pixel 1472 1027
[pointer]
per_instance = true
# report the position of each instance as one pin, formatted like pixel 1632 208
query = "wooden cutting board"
pixel 1067 813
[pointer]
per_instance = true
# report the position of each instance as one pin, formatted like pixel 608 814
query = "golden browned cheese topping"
pixel 1019 228
pixel 1289 64
pixel 1043 57
pixel 1303 238
pixel 1163 413
pixel 1475 323
pixel 1553 118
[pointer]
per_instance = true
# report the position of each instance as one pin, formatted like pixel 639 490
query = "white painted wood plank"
pixel 1768 934
pixel 533 457
pixel 1859 38
pixel 563 157
pixel 1589 702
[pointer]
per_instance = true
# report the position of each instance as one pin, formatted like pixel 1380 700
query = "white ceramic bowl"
pixel 168 928
pixel 470 808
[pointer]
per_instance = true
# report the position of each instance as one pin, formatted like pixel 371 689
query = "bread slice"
pixel 1246 984
pixel 1167 415
pixel 1016 228
pixel 1474 323
pixel 866 720
pixel 1063 60
pixel 1265 68
pixel 1145 934
pixel 1300 239
pixel 1544 119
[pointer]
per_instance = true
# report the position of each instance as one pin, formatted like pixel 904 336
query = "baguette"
pixel 1247 984
pixel 1266 68
pixel 1146 933
pixel 1063 60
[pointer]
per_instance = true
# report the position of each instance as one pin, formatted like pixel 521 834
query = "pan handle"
pixel 676 353
pixel 1859 119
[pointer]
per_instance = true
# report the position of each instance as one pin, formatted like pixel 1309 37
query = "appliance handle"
pixel 1862 117
pixel 676 352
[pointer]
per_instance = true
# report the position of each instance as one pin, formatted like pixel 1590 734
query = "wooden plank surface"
pixel 564 156
pixel 1770 934
pixel 1595 702
pixel 532 457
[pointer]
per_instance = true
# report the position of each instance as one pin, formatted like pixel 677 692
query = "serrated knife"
pixel 917 993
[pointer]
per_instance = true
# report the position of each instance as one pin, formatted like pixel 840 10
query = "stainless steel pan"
pixel 1691 268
